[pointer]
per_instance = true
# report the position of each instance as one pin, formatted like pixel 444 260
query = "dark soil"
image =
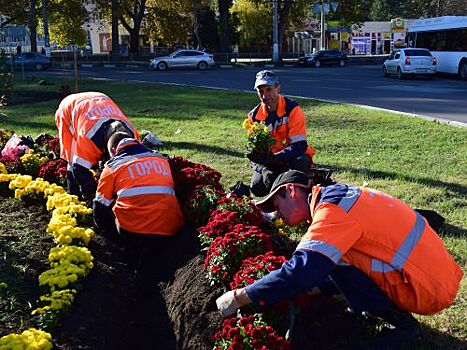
pixel 169 306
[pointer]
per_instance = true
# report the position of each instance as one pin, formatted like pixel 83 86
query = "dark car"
pixel 31 60
pixel 324 57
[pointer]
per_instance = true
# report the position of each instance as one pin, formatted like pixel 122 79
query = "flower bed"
pixel 230 229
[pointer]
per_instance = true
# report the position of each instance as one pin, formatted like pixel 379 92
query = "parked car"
pixel 324 57
pixel 31 60
pixel 183 59
pixel 404 62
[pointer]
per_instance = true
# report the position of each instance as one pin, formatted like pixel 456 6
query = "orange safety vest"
pixel 78 118
pixel 388 241
pixel 290 126
pixel 138 183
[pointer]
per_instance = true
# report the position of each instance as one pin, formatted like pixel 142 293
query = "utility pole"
pixel 322 44
pixel 275 34
pixel 46 28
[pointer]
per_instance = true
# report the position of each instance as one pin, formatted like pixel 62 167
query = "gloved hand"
pixel 227 304
pixel 259 157
pixel 273 163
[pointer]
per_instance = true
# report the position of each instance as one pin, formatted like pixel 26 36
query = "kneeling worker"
pixel 135 194
pixel 286 122
pixel 380 254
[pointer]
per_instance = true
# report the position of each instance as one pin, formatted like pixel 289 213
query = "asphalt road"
pixel 440 98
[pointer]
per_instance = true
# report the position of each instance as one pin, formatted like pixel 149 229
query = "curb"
pixel 415 115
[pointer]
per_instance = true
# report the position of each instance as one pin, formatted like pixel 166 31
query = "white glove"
pixel 227 304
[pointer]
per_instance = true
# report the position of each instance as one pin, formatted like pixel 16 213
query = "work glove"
pixel 227 304
pixel 273 163
pixel 259 157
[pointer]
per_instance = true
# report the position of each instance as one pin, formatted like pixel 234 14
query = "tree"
pixel 225 24
pixel 132 12
pixel 255 17
pixel 168 22
pixel 255 23
pixel 114 19
pixel 384 10
pixel 66 19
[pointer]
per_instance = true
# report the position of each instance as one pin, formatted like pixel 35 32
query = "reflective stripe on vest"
pixel 134 191
pixel 404 251
pixel 277 123
pixel 297 138
pixel 128 158
pixel 101 199
pixel 82 162
pixel 91 99
pixel 352 195
pixel 100 122
pixel 324 248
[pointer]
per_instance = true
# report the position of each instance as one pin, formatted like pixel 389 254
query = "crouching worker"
pixel 380 254
pixel 136 198
pixel 286 122
pixel 85 121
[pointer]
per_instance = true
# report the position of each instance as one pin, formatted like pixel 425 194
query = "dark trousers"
pixel 261 182
pixel 72 184
pixel 361 292
pixel 363 295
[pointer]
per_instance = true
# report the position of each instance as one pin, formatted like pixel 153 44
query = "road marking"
pixel 434 89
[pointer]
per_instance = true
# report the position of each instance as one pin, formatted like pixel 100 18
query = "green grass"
pixel 423 163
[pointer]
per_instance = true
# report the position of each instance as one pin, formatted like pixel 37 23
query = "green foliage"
pixel 5 79
pixel 254 20
pixel 384 10
pixel 66 18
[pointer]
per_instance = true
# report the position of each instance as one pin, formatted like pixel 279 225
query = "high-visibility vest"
pixel 138 184
pixel 289 126
pixel 78 118
pixel 388 241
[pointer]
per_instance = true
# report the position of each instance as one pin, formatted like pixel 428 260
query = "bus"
pixel 446 38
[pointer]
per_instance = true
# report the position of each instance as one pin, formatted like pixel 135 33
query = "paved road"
pixel 441 97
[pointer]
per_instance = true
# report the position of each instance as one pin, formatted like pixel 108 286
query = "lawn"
pixel 423 163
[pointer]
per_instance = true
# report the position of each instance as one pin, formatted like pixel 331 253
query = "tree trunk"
pixel 284 7
pixel 196 23
pixel 33 26
pixel 224 24
pixel 137 16
pixel 115 35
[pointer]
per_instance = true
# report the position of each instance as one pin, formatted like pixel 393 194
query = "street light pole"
pixel 275 34
pixel 323 32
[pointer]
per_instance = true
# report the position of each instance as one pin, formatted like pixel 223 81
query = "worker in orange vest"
pixel 135 194
pixel 84 122
pixel 381 255
pixel 286 122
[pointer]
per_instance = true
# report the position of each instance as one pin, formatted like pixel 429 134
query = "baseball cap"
pixel 295 177
pixel 266 77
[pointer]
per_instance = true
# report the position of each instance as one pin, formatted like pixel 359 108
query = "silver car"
pixel 408 61
pixel 183 59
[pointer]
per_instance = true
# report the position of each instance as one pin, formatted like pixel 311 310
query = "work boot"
pixel 401 330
